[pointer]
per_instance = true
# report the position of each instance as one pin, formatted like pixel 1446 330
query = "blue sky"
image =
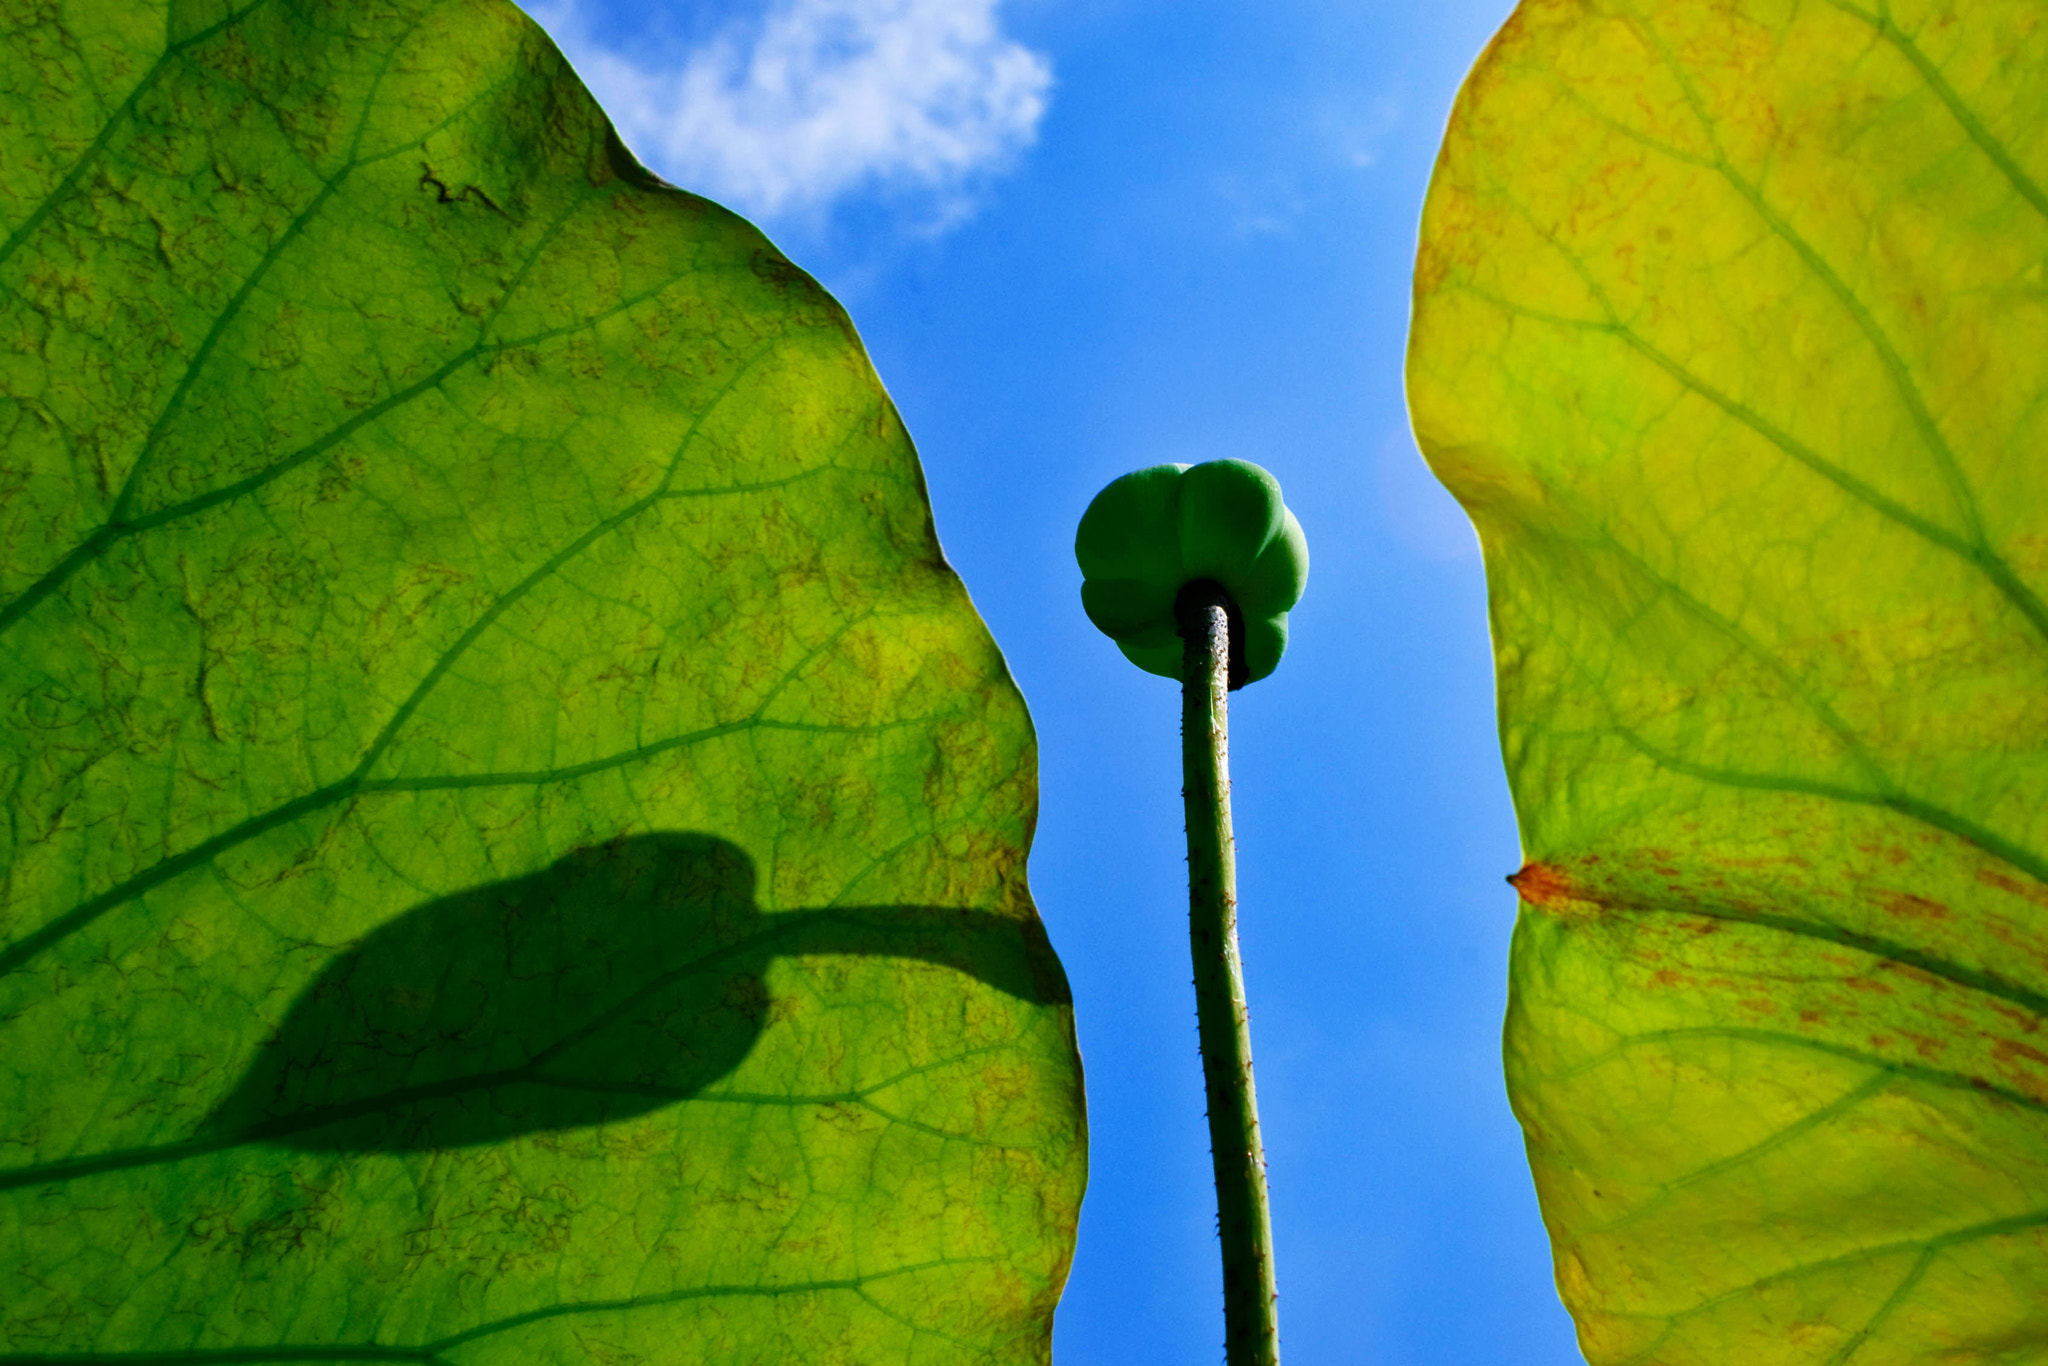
pixel 1079 238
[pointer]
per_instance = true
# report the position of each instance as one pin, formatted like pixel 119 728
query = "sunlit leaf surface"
pixel 513 835
pixel 1732 335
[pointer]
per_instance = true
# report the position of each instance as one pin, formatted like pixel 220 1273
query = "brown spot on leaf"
pixel 1907 906
pixel 2026 891
pixel 1926 1046
pixel 2024 1020
pixel 1542 886
pixel 2005 1050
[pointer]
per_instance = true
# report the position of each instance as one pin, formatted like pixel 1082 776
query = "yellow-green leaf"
pixel 1731 333
pixel 514 841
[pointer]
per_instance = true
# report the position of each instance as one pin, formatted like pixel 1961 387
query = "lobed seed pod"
pixel 1154 531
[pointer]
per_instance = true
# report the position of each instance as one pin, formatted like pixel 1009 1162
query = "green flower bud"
pixel 1154 531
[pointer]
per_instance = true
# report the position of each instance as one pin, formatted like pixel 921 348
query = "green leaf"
pixel 1729 333
pixel 514 842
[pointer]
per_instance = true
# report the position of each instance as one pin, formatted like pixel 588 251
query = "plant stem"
pixel 1251 1330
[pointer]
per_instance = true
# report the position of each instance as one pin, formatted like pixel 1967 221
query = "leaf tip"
pixel 1543 886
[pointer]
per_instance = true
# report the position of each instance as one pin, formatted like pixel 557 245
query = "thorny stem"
pixel 1251 1326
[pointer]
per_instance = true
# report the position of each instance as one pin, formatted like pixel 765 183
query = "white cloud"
pixel 810 100
pixel 1358 133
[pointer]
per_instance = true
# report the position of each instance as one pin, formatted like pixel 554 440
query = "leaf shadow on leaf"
pixel 625 977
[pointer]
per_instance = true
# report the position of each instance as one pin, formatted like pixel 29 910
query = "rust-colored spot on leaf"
pixel 1542 886
pixel 2023 1020
pixel 1925 1045
pixel 2033 892
pixel 1907 906
pixel 2005 1050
